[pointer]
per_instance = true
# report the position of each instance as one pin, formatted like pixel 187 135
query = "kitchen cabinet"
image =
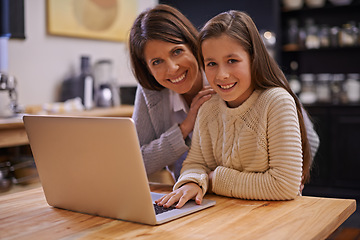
pixel 17 19
pixel 331 57
pixel 336 165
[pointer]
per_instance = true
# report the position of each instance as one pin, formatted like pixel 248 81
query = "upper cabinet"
pixel 320 49
pixel 323 38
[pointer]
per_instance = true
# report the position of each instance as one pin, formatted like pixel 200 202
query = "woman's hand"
pixel 182 195
pixel 187 125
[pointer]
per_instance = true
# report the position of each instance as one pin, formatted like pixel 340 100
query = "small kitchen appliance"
pixel 8 95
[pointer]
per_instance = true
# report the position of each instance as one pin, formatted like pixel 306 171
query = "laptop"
pixel 94 165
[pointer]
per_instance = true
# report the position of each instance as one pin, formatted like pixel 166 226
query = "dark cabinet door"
pixel 322 165
pixel 336 166
pixel 346 147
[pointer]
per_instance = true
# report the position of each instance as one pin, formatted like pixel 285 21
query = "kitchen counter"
pixel 12 131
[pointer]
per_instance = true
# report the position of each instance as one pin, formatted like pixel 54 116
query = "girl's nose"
pixel 222 74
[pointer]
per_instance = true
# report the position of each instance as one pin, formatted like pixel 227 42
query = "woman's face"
pixel 172 65
pixel 228 69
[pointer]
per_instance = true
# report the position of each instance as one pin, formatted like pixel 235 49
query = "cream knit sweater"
pixel 255 149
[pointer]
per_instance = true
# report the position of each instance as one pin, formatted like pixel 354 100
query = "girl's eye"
pixel 178 51
pixel 232 60
pixel 210 64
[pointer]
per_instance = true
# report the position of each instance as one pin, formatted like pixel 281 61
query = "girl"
pixel 249 140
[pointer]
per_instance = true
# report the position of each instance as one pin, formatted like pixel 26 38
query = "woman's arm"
pixel 157 150
pixel 313 137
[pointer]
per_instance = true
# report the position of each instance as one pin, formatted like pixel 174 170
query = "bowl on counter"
pixel 315 3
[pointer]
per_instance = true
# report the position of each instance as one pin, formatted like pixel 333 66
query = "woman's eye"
pixel 156 62
pixel 178 51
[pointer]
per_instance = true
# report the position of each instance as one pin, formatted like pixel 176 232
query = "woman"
pixel 163 46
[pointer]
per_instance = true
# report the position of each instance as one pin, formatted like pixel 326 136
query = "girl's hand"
pixel 187 125
pixel 182 195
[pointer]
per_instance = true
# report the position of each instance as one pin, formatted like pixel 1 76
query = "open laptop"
pixel 94 165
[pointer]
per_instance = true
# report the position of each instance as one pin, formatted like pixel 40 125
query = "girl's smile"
pixel 228 69
pixel 227 86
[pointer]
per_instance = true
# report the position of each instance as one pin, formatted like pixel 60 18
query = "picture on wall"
pixel 94 19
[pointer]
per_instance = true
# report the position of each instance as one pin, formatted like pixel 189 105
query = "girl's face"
pixel 227 68
pixel 173 66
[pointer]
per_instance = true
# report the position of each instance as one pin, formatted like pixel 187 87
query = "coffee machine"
pixel 106 94
pixel 8 95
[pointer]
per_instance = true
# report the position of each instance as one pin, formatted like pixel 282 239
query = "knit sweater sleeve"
pixel 282 178
pixel 160 146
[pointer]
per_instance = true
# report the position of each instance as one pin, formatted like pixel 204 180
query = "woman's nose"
pixel 173 66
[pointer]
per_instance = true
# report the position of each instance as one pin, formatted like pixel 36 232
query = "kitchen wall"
pixel 41 62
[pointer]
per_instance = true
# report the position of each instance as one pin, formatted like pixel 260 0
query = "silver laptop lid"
pixel 91 165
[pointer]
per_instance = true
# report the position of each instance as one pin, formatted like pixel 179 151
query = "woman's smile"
pixel 179 78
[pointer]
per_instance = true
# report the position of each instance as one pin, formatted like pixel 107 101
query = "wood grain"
pixel 13 137
pixel 26 215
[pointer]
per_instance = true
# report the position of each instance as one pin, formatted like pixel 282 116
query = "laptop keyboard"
pixel 161 209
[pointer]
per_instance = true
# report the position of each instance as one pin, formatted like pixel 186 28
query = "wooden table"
pixel 26 215
pixel 12 131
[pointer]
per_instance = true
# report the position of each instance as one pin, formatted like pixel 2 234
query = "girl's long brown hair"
pixel 265 72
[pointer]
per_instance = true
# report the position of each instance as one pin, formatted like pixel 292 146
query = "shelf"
pixel 329 7
pixel 295 48
pixel 334 106
pixel 325 59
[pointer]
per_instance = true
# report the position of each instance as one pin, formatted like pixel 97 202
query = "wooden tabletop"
pixel 26 215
